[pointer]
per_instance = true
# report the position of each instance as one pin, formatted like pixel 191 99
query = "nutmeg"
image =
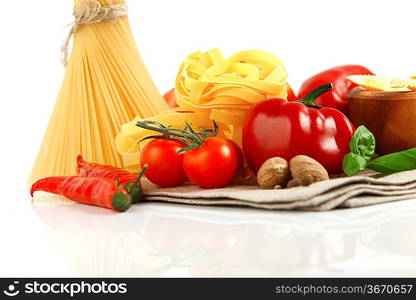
pixel 273 174
pixel 305 171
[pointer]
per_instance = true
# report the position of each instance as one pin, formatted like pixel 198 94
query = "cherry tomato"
pixel 165 165
pixel 240 156
pixel 170 98
pixel 213 164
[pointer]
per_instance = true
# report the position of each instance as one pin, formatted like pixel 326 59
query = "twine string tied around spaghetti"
pixel 89 12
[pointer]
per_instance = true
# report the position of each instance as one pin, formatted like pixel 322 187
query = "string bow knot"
pixel 89 12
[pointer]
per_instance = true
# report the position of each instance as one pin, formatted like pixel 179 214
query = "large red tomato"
pixel 213 164
pixel 165 164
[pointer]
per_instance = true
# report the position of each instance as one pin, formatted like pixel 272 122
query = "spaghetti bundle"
pixel 209 87
pixel 106 84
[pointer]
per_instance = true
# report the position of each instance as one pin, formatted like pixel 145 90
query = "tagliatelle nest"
pixel 209 87
pixel 206 80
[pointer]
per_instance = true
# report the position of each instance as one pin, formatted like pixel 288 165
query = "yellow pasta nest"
pixel 209 87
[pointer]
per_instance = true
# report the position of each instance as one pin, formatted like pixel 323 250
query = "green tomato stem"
pixel 188 135
pixel 309 100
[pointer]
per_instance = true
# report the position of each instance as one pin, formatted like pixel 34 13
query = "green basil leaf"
pixel 395 162
pixel 363 143
pixel 354 163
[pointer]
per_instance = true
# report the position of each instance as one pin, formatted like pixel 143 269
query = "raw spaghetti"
pixel 106 84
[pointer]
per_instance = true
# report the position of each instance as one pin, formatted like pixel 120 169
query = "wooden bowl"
pixel 391 117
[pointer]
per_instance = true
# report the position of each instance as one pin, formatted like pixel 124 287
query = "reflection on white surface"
pixel 176 240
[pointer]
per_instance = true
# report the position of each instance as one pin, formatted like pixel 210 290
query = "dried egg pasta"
pixel 209 87
pixel 106 85
pixel 404 83
pixel 371 82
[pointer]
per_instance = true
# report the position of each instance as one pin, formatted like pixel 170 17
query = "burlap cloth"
pixel 345 192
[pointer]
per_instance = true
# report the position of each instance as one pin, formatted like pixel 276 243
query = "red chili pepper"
pixel 337 98
pixel 96 191
pixel 277 127
pixel 129 181
pixel 86 169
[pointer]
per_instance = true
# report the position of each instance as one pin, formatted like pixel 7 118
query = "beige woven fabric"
pixel 343 192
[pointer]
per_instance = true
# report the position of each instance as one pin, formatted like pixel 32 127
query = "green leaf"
pixel 362 147
pixel 395 162
pixel 354 163
pixel 363 143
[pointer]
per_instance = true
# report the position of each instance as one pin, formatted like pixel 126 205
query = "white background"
pixel 308 36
